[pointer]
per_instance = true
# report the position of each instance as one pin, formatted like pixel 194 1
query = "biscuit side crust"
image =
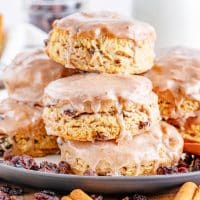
pixel 172 107
pixel 98 126
pixel 105 54
pixel 33 140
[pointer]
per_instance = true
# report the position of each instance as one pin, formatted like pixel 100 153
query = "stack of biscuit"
pixel 176 81
pixel 107 119
pixel 22 129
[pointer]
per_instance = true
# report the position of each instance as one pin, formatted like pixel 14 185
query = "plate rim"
pixel 114 178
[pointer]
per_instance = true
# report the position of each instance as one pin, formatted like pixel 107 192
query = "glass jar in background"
pixel 42 13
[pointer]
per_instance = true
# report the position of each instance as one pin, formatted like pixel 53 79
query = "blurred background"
pixel 25 23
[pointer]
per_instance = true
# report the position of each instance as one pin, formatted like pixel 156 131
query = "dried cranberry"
pixel 1 153
pixel 46 195
pixel 4 196
pixel 46 41
pixel 16 191
pixel 143 124
pixel 89 172
pixel 100 136
pixel 63 167
pixel 182 170
pixel 8 189
pixel 188 159
pixel 91 51
pixel 49 192
pixel 69 113
pixel 136 197
pixel 167 170
pixel 48 167
pixel 139 197
pixel 96 197
pixel 182 163
pixel 161 171
pixel 196 164
pixel 1 117
pixel 126 198
pixel 7 156
pixel 5 189
pixel 26 162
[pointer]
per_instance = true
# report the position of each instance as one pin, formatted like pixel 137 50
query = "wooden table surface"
pixel 29 194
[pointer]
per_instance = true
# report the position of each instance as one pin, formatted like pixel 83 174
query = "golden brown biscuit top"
pixel 93 87
pixel 162 143
pixel 29 73
pixel 177 69
pixel 94 25
pixel 15 115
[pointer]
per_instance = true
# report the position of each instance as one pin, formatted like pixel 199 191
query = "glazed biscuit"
pixel 29 73
pixel 176 80
pixel 102 42
pixel 92 107
pixel 22 130
pixel 140 155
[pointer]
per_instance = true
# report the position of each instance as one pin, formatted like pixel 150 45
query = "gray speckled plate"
pixel 141 184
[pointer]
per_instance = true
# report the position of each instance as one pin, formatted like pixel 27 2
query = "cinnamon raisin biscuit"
pixel 140 155
pixel 22 130
pixel 176 80
pixel 90 107
pixel 102 42
pixel 29 73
